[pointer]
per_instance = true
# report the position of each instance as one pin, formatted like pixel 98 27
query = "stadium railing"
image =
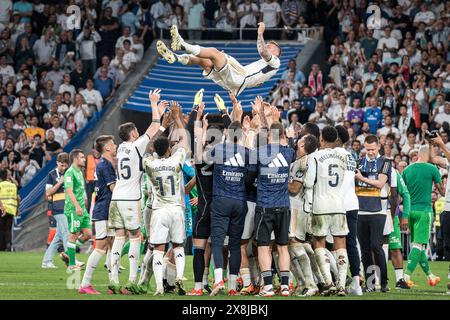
pixel 238 33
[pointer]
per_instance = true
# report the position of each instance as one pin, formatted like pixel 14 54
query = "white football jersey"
pixel 261 71
pixel 325 175
pixel 129 170
pixel 166 179
pixel 350 198
pixel 386 191
pixel 298 172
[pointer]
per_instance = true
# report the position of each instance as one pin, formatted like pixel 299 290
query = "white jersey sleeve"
pixel 350 199
pixel 274 62
pixel 141 143
pixel 327 190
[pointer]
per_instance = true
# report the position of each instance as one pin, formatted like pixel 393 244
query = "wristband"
pixel 156 120
pixel 162 129
pixel 195 107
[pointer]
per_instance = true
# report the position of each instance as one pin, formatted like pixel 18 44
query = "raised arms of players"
pixel 261 44
pixel 157 112
pixel 177 115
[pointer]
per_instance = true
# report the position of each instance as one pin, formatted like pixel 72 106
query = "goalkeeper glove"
pixel 220 104
pixel 198 98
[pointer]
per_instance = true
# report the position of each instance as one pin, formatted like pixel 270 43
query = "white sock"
pixel 314 262
pixel 355 282
pixel 134 255
pixel 297 271
pixel 232 281
pixel 333 263
pixel 245 275
pixel 205 277
pixel 342 263
pixel 197 285
pixel 398 274
pixel 183 58
pixel 324 264
pixel 158 257
pixel 116 251
pixel 108 263
pixel 147 267
pixel 171 273
pixel 406 277
pixel 386 252
pixel 94 259
pixel 218 275
pixel 180 261
pixel 191 48
pixel 305 264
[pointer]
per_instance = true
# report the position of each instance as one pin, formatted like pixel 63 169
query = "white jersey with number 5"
pixel 325 175
pixel 129 170
pixel 166 179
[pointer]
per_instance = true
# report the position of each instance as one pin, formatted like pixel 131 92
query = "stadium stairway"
pixel 180 83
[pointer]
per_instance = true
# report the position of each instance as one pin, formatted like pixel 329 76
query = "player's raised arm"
pixel 154 96
pixel 177 115
pixel 261 44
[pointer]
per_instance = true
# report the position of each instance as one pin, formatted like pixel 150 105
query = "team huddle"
pixel 284 215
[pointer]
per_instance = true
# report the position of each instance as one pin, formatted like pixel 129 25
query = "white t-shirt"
pixel 5 7
pixel 92 97
pixel 391 43
pixel 325 175
pixel 7 73
pixel 166 179
pixel 426 17
pixel 60 135
pixel 129 170
pixel 442 117
pixel 270 11
pixel 249 18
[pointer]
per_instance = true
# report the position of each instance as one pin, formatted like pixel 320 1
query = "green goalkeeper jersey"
pixel 419 178
pixel 73 178
pixel 404 193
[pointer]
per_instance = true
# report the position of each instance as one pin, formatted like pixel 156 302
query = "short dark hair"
pixel 371 138
pixel 390 136
pixel 311 128
pixel 311 143
pixel 101 142
pixel 63 157
pixel 342 134
pixel 125 130
pixel 234 132
pixel 277 127
pixel 3 175
pixel 329 134
pixel 161 145
pixel 74 154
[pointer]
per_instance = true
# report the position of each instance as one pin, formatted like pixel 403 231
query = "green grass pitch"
pixel 21 277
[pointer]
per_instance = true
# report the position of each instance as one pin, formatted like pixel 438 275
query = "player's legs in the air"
pixel 217 57
pixel 420 225
pixel 395 248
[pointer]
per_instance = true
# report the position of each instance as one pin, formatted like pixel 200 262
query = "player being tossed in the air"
pixel 223 69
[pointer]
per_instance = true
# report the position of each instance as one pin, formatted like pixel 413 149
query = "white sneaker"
pixel 48 265
pixel 309 292
pixel 165 53
pixel 355 291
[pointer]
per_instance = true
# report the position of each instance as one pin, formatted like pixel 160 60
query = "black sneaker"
pixel 369 289
pixel 207 288
pixel 167 287
pixel 385 288
pixel 401 284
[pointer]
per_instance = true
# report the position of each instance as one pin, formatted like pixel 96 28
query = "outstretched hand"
pixel 162 105
pixel 175 110
pixel 154 96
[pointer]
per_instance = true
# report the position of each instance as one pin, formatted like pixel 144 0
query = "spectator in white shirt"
pixel 44 49
pixel 92 97
pixel 60 134
pixel 22 104
pixel 442 117
pixel 66 86
pixel 115 5
pixel 424 15
pixel 387 43
pixel 86 44
pixel 388 128
pixel 270 13
pixel 6 71
pixel 137 47
pixel 410 144
pixel 126 35
pixel 80 111
pixel 248 12
pixel 161 11
pixel 339 112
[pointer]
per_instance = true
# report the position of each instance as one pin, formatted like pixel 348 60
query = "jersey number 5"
pixel 333 175
pixel 124 169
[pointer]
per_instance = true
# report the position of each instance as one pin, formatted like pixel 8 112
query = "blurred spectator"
pixel 271 16
pixel 248 13
pixel 87 46
pixel 104 84
pixel 196 20
pixel 92 96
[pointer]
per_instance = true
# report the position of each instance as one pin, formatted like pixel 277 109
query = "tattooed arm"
pixel 262 47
